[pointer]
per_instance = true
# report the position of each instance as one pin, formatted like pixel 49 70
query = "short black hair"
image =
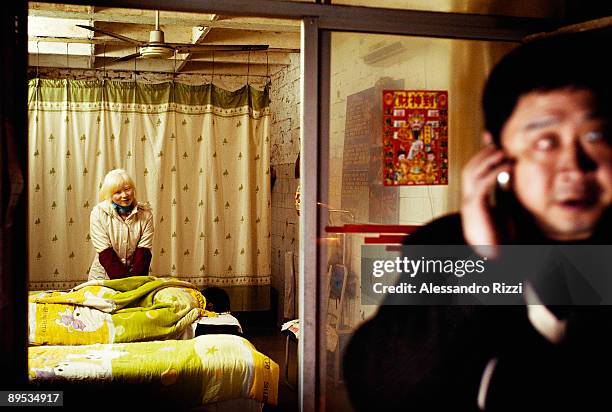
pixel 571 60
pixel 218 298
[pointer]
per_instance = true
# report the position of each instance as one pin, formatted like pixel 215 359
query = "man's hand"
pixel 479 176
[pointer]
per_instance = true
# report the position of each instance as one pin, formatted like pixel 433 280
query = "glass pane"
pixel 535 8
pixel 365 70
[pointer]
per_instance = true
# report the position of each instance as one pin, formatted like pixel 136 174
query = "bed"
pixel 204 370
pixel 137 359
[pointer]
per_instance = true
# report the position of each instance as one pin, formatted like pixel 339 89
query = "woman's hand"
pixel 479 177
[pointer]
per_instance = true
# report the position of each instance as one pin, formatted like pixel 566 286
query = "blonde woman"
pixel 121 230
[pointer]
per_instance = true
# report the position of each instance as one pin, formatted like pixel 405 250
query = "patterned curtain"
pixel 198 154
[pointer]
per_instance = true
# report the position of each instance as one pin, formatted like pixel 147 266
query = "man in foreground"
pixel 547 117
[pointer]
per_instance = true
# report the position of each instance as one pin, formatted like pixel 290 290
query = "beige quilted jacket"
pixel 107 229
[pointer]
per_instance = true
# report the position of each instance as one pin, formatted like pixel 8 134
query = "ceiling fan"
pixel 157 48
pixel 601 25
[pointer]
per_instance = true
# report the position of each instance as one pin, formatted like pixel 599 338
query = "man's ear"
pixel 487 138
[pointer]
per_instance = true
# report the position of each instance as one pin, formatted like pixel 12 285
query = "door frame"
pixel 318 22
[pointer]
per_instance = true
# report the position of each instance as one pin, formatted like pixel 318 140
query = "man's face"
pixel 563 161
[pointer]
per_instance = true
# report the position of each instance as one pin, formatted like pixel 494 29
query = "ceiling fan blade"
pixel 111 34
pixel 196 48
pixel 126 58
pixel 601 24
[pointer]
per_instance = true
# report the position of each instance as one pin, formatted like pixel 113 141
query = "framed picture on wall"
pixel 415 137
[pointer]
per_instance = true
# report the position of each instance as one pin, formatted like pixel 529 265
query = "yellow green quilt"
pixel 132 309
pixel 209 368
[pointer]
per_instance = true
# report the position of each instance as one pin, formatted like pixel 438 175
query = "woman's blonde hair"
pixel 115 180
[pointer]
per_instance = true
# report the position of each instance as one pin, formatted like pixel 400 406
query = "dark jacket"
pixel 432 358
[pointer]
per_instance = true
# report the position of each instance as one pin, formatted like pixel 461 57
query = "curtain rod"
pixel 145 72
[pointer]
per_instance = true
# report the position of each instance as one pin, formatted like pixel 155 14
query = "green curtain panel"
pixel 200 155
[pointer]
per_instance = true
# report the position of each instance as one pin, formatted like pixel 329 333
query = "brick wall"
pixel 285 141
pixel 458 66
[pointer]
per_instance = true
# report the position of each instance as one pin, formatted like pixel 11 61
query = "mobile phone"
pixel 503 187
pixel 504 180
pixel 504 204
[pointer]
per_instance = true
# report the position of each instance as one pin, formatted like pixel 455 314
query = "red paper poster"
pixel 415 137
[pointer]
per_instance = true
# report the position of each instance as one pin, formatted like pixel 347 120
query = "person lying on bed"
pixel 547 113
pixel 121 230
pixel 217 299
